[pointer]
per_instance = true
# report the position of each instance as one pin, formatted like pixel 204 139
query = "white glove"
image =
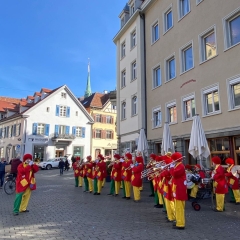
pixel 172 165
pixel 30 163
pixel 162 167
pixel 158 165
pixel 121 160
pixel 132 165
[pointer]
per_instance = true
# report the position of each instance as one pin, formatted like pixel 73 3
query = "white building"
pixel 49 124
pixel 130 76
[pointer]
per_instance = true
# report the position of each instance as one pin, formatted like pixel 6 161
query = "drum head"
pixel 190 185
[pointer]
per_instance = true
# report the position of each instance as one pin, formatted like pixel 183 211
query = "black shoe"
pixel 136 201
pixel 158 206
pixel 232 201
pixel 15 213
pixel 179 228
pixel 95 193
pixel 164 211
pixel 128 198
pixel 151 195
pixel 26 210
pixel 174 223
pixel 90 191
pixel 169 221
pixel 237 203
pixel 123 197
pixel 116 195
pixel 98 193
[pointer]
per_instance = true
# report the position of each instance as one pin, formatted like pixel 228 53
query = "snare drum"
pixel 195 178
pixel 206 180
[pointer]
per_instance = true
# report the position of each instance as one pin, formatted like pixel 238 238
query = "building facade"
pixel 104 113
pixel 52 123
pixel 192 67
pixel 130 76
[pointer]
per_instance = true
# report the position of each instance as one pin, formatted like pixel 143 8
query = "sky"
pixel 47 43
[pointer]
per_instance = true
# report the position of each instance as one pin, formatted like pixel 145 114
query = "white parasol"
pixel 142 143
pixel 167 143
pixel 198 146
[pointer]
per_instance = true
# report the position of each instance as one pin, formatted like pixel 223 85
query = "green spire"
pixel 88 91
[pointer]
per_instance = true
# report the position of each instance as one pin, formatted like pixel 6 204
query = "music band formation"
pixel 172 183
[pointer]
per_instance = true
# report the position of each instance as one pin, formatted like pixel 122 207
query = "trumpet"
pixel 158 169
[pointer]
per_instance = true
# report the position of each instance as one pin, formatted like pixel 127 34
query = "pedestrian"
pixel 66 165
pixel 25 184
pixel 61 166
pixel 2 171
pixel 14 166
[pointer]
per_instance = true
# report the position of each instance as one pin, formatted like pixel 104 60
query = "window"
pixel 233 86
pixel 157 117
pixel 123 110
pixel 108 119
pixel 78 132
pixel 157 77
pixel 134 105
pixel 132 9
pixel 198 1
pixel 231 24
pixel 171 112
pixel 155 32
pixel 10 131
pixel 123 79
pixel 170 68
pixel 63 95
pixel 189 108
pixel 98 133
pixel 48 109
pixel 109 134
pixel 168 19
pixel 186 58
pixel 62 129
pixel 98 118
pixel 184 8
pixel 76 113
pixel 63 111
pixel 122 21
pixel 18 129
pixel 134 70
pixel 40 129
pixel 123 50
pixel 114 107
pixel 133 39
pixel 211 102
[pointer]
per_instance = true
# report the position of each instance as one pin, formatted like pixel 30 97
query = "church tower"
pixel 88 91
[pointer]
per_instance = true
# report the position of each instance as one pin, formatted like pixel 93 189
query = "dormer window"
pixel 122 21
pixel 132 8
pixel 63 95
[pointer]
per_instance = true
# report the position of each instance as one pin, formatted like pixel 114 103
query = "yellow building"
pixel 104 138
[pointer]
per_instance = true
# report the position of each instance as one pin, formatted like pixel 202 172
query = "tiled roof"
pixel 30 97
pixel 96 100
pixel 46 90
pixel 38 94
pixel 4 105
pixel 11 100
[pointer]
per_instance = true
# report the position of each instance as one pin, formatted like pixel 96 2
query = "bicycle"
pixel 10 184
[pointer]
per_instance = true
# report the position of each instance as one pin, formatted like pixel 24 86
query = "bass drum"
pixel 190 184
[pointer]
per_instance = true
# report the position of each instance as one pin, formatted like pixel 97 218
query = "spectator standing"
pixel 61 166
pixel 2 171
pixel 66 165
pixel 14 165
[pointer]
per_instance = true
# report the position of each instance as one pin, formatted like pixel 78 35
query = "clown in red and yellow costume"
pixel 116 173
pixel 88 180
pixel 126 174
pixel 136 179
pixel 25 183
pixel 76 168
pixel 149 165
pixel 179 189
pixel 232 181
pixel 219 183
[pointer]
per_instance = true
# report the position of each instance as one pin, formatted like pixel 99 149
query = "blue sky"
pixel 47 43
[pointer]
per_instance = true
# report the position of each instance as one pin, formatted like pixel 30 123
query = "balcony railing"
pixel 62 136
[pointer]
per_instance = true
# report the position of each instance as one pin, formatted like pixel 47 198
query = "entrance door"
pixel 59 153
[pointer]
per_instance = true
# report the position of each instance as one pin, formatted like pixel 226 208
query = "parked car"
pixel 50 163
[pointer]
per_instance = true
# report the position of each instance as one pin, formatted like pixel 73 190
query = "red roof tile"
pixel 97 100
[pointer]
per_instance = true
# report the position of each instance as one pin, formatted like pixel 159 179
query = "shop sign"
pixel 38 140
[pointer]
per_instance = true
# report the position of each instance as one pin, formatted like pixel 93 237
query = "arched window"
pixel 123 110
pixel 134 105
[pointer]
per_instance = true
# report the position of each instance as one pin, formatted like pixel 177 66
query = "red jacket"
pixel 136 179
pixel 116 171
pixel 126 174
pixel 179 187
pixel 88 170
pixel 100 170
pixel 220 183
pixel 167 185
pixel 232 181
pixel 25 177
pixel 76 169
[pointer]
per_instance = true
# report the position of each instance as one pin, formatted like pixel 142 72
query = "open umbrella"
pixel 198 146
pixel 167 143
pixel 142 143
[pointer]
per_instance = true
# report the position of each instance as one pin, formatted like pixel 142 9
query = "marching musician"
pixel 99 173
pixel 80 178
pixel 88 179
pixel 232 181
pixel 201 174
pixel 179 189
pixel 149 165
pixel 117 167
pixel 136 180
pixel 76 171
pixel 112 183
pixel 126 174
pixel 219 184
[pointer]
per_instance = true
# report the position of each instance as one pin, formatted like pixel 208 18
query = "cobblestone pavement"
pixel 58 210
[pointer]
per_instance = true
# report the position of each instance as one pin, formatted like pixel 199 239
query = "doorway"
pixel 59 153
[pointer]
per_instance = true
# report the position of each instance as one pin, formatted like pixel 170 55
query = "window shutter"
pixel 57 110
pixel 112 134
pixel 74 131
pixel 112 120
pixel 83 132
pixel 103 134
pixel 103 118
pixel 67 129
pixel 68 111
pixel 56 130
pixel 46 129
pixel 7 131
pixel 34 130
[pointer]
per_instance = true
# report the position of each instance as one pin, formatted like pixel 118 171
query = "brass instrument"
pixel 235 171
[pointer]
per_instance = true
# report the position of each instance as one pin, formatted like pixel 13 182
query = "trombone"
pixel 158 169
